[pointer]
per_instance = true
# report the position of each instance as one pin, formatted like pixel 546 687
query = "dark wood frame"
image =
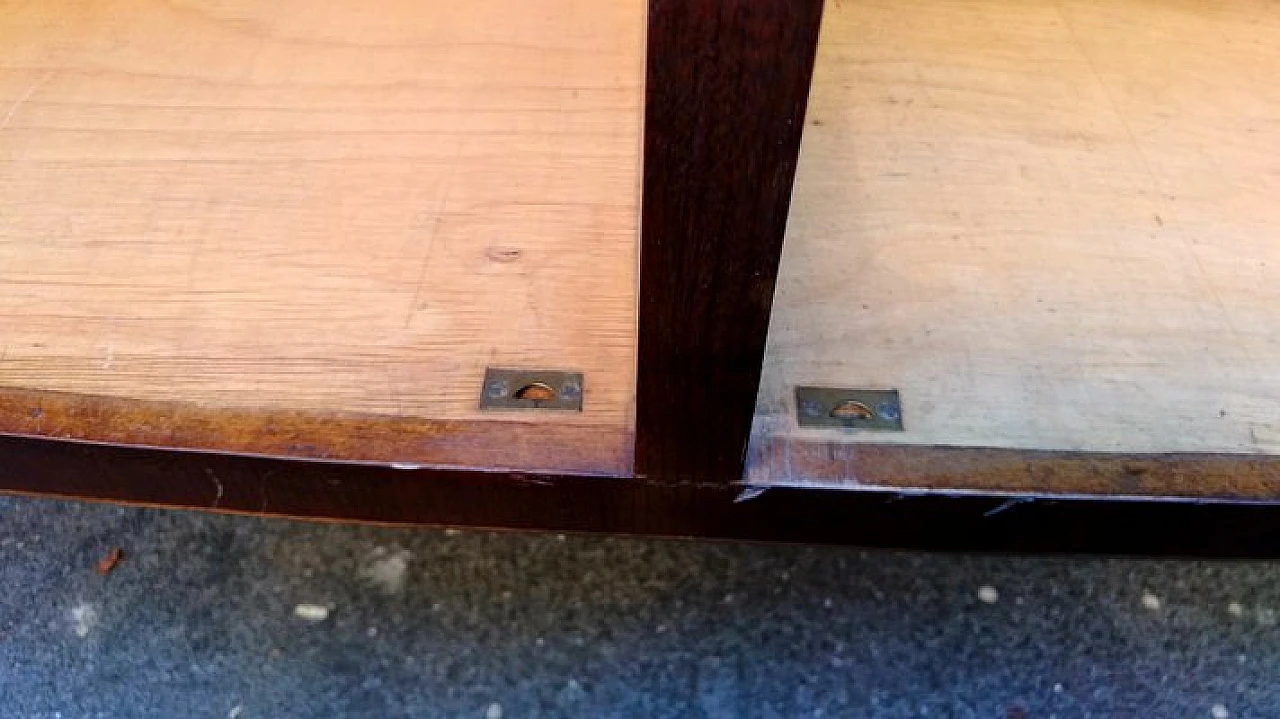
pixel 726 91
pixel 380 494
pixel 727 85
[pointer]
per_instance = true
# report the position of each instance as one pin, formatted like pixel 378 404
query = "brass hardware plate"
pixel 531 389
pixel 833 407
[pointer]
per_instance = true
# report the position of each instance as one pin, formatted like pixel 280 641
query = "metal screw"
pixel 497 389
pixel 811 409
pixel 888 410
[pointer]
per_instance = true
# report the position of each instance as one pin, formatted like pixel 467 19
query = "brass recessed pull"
pixel 846 408
pixel 536 392
pixel 531 389
pixel 852 409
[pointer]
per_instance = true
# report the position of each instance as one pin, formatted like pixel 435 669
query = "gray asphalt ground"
pixel 201 619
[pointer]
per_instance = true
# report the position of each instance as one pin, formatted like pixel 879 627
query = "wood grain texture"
pixel 326 490
pixel 726 94
pixel 1051 224
pixel 321 207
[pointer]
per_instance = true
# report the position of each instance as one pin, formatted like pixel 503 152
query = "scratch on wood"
pixel 1007 505
pixel 17 104
pixel 218 485
pixel 436 221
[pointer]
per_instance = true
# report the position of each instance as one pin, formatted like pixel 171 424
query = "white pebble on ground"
pixel 311 612
pixel 83 619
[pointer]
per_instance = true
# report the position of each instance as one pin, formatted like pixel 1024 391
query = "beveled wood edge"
pixel 781 461
pixel 499 444
pixel 326 491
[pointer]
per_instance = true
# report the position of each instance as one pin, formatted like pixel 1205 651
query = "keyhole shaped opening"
pixel 851 409
pixel 536 392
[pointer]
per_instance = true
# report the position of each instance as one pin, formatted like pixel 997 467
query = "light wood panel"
pixel 329 207
pixel 1050 224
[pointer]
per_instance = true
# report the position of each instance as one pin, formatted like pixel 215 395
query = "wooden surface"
pixel 322 209
pixel 1052 225
pixel 726 94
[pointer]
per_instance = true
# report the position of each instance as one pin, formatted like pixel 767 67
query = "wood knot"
pixel 504 254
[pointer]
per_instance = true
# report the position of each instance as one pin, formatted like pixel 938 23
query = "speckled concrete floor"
pixel 199 621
